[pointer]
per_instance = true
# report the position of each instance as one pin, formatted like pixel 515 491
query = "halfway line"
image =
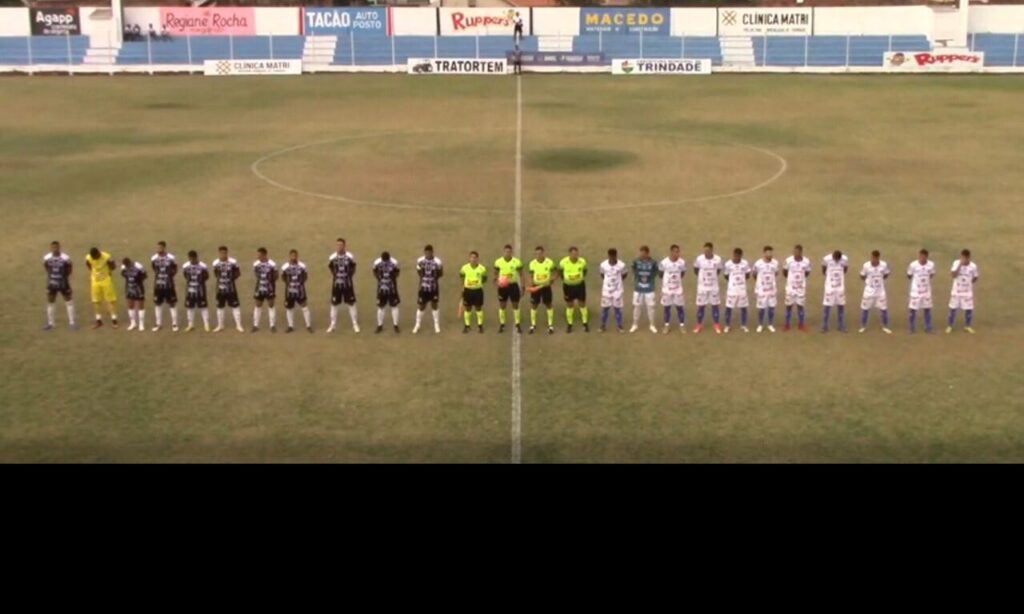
pixel 517 389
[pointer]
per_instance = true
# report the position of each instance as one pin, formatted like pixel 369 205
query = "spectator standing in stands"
pixel 136 32
pixel 165 36
pixel 152 33
pixel 127 33
pixel 517 34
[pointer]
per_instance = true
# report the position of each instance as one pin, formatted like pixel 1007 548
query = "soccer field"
pixel 393 162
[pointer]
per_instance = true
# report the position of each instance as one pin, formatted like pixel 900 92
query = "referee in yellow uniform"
pixel 473 275
pixel 101 265
pixel 573 271
pixel 508 271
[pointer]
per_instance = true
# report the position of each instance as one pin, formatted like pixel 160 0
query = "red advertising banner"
pixel 208 21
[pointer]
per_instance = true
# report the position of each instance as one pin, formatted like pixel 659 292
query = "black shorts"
pixel 266 295
pixel 229 299
pixel 165 295
pixel 388 298
pixel 542 295
pixel 575 293
pixel 518 29
pixel 343 294
pixel 290 300
pixel 63 289
pixel 510 292
pixel 473 297
pixel 427 296
pixel 135 296
pixel 193 301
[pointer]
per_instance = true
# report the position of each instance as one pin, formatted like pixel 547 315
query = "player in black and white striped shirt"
pixel 294 275
pixel 226 272
pixel 135 293
pixel 386 270
pixel 430 270
pixel 265 270
pixel 342 265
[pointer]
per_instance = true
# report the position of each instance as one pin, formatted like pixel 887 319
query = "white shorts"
pixel 875 300
pixel 643 298
pixel 672 300
pixel 614 300
pixel 921 302
pixel 732 301
pixel 709 297
pixel 767 300
pixel 796 298
pixel 961 302
pixel 836 297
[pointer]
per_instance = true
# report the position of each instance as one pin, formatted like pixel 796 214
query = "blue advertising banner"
pixel 625 21
pixel 346 20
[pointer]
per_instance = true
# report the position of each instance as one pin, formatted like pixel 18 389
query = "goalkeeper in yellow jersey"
pixel 101 265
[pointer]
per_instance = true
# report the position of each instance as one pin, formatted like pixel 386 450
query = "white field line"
pixel 257 171
pixel 517 388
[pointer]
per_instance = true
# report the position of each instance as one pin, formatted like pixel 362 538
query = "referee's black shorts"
pixel 473 297
pixel 510 292
pixel 575 293
pixel 542 295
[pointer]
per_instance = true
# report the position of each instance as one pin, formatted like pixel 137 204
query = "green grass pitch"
pixel 854 163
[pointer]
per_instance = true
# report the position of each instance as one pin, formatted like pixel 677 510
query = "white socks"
pixel 159 311
pixel 236 313
pixel 71 313
pixel 220 318
pixel 380 316
pixel 394 316
pixel 256 313
pixel 308 317
pixel 334 316
pixel 51 313
pixel 437 317
pixel 354 314
pixel 190 315
pixel 289 315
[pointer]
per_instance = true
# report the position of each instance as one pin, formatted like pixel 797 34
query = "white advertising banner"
pixel 456 66
pixel 661 67
pixel 765 22
pixel 234 68
pixel 934 61
pixel 482 21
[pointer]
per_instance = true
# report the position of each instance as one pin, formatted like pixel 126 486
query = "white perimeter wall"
pixel 1009 18
pixel 552 21
pixel 694 22
pixel 413 21
pixel 873 20
pixel 143 16
pixel 14 22
pixel 279 21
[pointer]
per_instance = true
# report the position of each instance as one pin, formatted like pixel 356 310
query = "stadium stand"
pixel 24 50
pixel 999 49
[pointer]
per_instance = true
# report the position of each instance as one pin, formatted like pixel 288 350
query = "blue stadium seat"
pixel 15 50
pixel 998 48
